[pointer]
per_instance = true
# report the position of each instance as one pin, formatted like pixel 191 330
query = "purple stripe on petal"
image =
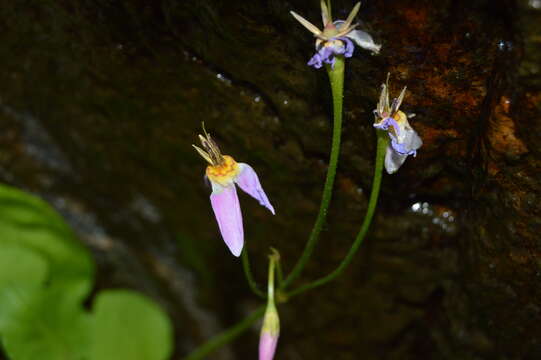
pixel 267 346
pixel 225 204
pixel 249 182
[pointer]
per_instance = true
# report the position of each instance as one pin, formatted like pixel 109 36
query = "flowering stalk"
pixel 336 77
pixel 383 141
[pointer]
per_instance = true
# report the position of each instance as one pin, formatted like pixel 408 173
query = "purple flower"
pixel 328 51
pixel 336 37
pixel 404 140
pixel 224 172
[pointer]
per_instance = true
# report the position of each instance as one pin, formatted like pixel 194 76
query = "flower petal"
pixel 407 143
pixel 352 14
pixel 346 48
pixel 412 139
pixel 267 346
pixel 325 13
pixel 307 24
pixel 249 182
pixel 364 40
pixel 315 61
pixel 225 204
pixel 393 160
pixel 386 123
pixel 349 48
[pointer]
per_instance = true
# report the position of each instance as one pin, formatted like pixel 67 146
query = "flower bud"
pixel 271 323
pixel 269 333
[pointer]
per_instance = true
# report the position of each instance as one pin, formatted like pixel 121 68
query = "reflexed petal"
pixel 225 204
pixel 325 13
pixel 352 14
pixel 307 24
pixel 249 182
pixel 382 98
pixel 393 160
pixel 267 346
pixel 364 40
pixel 397 102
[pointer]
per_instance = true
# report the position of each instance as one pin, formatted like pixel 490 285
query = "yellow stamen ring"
pixel 225 173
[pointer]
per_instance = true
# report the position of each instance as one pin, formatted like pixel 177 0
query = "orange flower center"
pixel 225 173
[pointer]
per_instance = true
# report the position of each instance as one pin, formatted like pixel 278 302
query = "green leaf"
pixel 27 221
pixel 22 272
pixel 19 265
pixel 47 323
pixel 128 326
pixel 45 275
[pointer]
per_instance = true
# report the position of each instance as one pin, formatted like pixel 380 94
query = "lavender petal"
pixel 315 61
pixel 225 204
pixel 386 123
pixel 348 48
pixel 249 182
pixel 327 54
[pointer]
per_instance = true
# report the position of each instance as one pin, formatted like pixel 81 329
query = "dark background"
pixel 100 102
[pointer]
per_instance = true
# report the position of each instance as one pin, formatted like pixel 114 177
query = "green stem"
pixel 248 274
pixel 383 141
pixel 279 273
pixel 226 336
pixel 336 77
pixel 270 283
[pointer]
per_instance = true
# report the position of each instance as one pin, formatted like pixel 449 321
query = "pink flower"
pixel 224 172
